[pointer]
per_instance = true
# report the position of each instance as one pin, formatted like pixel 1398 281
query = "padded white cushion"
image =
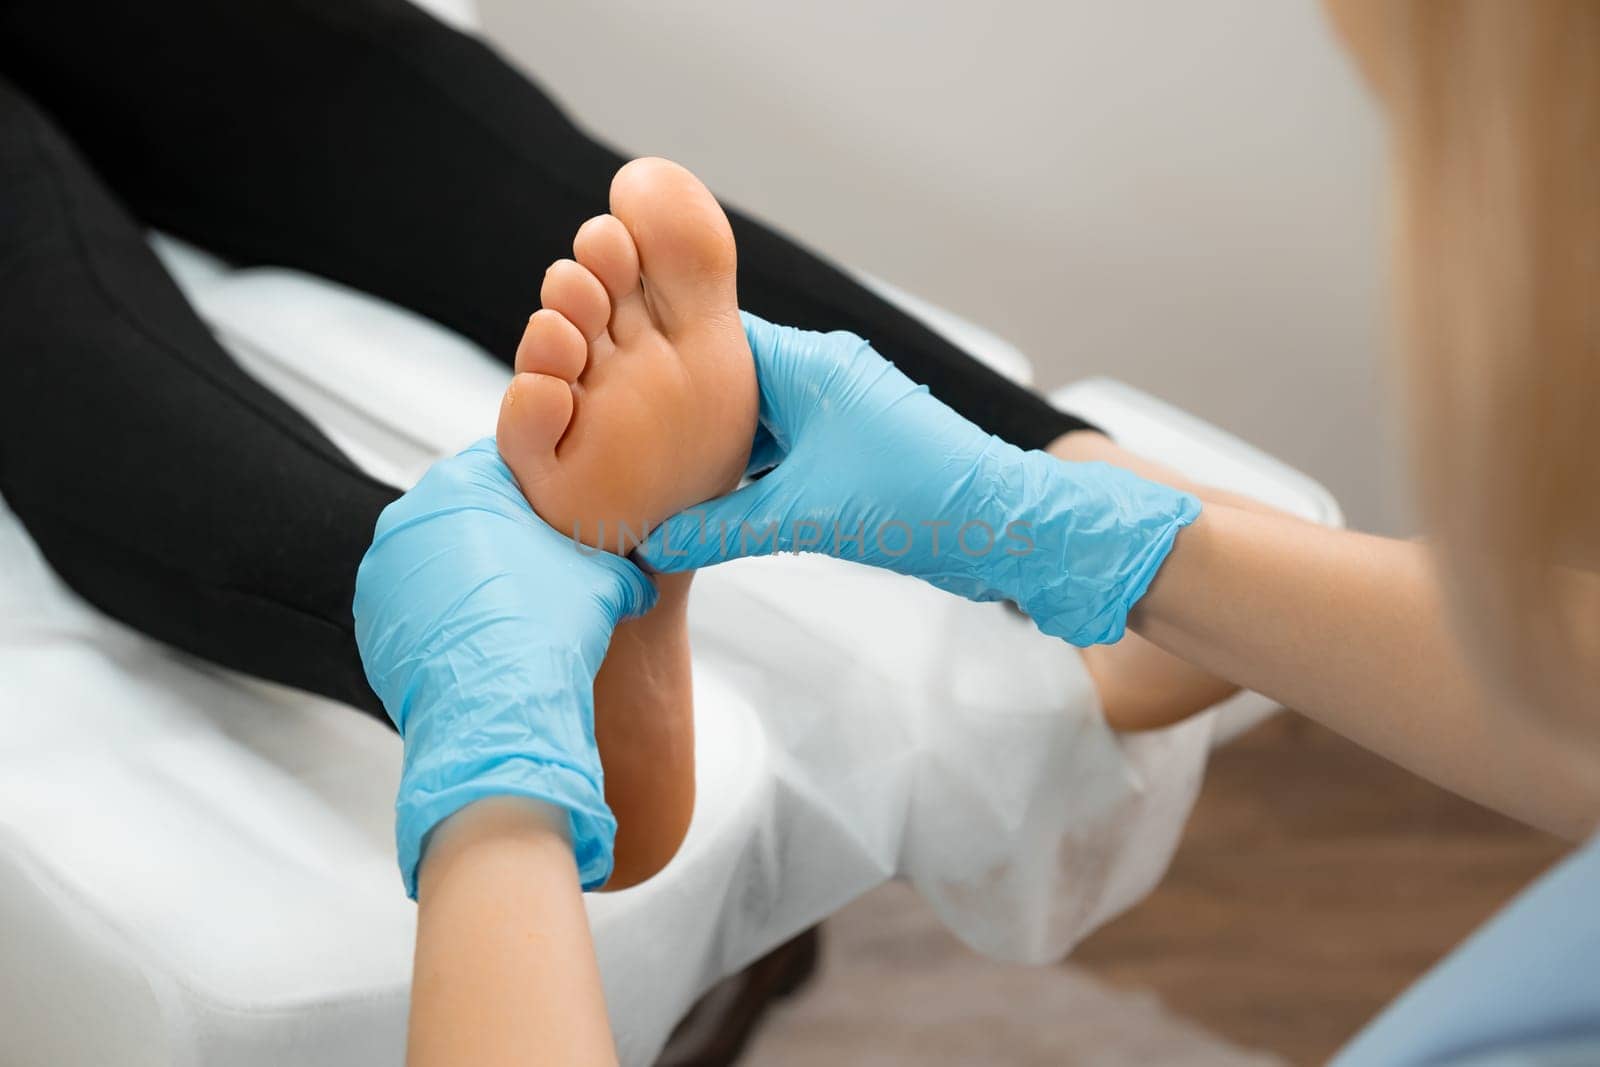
pixel 462 14
pixel 197 868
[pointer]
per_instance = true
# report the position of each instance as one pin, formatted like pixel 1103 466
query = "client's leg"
pixel 368 143
pixel 163 484
pixel 403 158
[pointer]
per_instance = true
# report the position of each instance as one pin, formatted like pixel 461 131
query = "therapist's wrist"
pixel 528 733
pixel 505 970
pixel 1184 582
pixel 1098 535
pixel 496 830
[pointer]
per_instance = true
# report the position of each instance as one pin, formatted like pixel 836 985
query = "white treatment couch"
pixel 197 868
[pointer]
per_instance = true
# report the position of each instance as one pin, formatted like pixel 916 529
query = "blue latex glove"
pixel 870 467
pixel 481 630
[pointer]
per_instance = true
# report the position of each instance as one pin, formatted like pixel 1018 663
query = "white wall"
pixel 1186 195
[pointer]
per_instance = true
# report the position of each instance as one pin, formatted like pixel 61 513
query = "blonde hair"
pixel 1495 124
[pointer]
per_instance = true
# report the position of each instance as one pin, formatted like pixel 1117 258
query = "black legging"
pixel 359 139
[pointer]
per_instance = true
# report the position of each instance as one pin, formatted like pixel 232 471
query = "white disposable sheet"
pixel 197 868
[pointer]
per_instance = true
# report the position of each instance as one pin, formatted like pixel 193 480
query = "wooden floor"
pixel 1315 882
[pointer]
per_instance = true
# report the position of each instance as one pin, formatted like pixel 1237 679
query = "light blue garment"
pixel 1558 1052
pixel 1523 990
pixel 481 630
pixel 870 467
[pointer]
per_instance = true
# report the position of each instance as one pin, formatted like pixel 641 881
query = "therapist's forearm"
pixel 1351 630
pixel 505 967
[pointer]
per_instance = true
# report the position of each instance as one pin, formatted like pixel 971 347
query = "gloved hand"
pixel 481 630
pixel 870 467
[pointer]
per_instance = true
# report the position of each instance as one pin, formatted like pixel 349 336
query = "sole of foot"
pixel 634 398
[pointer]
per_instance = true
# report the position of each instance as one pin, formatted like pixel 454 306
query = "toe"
pixel 534 415
pixel 685 245
pixel 552 345
pixel 604 245
pixel 574 291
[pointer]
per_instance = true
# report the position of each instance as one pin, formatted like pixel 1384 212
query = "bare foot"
pixel 636 393
pixel 1141 686
pixel 634 398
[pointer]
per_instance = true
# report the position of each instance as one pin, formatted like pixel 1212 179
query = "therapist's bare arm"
pixel 505 966
pixel 1351 630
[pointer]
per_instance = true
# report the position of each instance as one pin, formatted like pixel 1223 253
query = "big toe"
pixel 534 416
pixel 686 248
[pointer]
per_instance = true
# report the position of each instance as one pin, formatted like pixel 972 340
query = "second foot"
pixel 1144 687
